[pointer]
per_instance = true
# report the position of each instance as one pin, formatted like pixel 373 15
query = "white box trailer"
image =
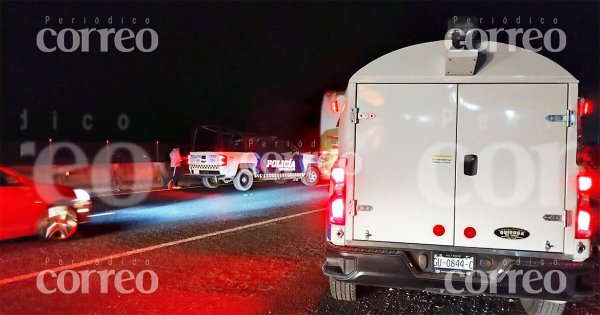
pixel 448 172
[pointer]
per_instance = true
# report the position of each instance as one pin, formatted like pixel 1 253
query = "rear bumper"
pixel 207 173
pixel 400 269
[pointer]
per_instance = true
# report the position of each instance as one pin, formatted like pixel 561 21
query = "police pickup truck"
pixel 243 168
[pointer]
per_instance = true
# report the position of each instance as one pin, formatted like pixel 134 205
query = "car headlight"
pixel 82 194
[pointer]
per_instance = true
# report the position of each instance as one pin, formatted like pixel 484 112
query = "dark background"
pixel 261 67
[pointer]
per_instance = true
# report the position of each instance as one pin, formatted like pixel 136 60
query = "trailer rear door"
pixel 515 199
pixel 404 185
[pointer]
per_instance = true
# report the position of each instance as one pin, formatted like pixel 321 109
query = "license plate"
pixel 453 262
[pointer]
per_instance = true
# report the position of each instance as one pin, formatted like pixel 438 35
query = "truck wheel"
pixel 311 177
pixel 243 180
pixel 542 307
pixel 342 291
pixel 210 182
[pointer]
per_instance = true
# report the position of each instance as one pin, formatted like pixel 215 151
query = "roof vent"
pixel 460 60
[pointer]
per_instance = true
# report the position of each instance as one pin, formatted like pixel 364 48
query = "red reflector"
pixel 584 183
pixel 439 230
pixel 470 232
pixel 337 212
pixel 222 160
pixel 338 175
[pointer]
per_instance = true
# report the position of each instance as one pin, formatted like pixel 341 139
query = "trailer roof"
pixel 425 63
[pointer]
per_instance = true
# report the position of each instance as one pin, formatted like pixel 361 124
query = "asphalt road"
pixel 212 251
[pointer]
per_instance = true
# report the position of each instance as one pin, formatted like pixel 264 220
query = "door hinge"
pixel 569 118
pixel 568 218
pixel 351 208
pixel 356 116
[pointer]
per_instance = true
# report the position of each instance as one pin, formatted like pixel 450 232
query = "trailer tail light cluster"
pixel 583 223
pixel 585 182
pixel 222 160
pixel 337 201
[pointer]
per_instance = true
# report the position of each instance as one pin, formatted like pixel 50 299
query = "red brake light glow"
pixel 586 108
pixel 337 199
pixel 222 160
pixel 584 183
pixel 583 227
pixel 338 175
pixel 583 220
pixel 337 212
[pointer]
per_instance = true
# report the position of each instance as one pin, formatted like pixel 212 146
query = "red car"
pixel 31 208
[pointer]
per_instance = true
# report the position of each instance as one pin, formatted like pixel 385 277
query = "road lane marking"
pixel 155 247
pixel 100 214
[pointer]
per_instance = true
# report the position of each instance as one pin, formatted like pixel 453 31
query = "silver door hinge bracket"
pixel 352 207
pixel 569 118
pixel 568 218
pixel 354 115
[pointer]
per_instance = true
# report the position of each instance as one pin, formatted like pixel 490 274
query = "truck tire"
pixel 542 307
pixel 210 182
pixel 243 180
pixel 311 177
pixel 342 291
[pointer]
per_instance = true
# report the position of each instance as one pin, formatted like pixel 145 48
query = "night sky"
pixel 260 67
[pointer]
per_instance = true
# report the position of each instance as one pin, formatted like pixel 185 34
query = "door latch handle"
pixel 470 165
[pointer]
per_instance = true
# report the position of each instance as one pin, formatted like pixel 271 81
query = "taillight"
pixel 337 201
pixel 583 220
pixel 583 226
pixel 337 210
pixel 222 160
pixel 338 175
pixel 584 183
